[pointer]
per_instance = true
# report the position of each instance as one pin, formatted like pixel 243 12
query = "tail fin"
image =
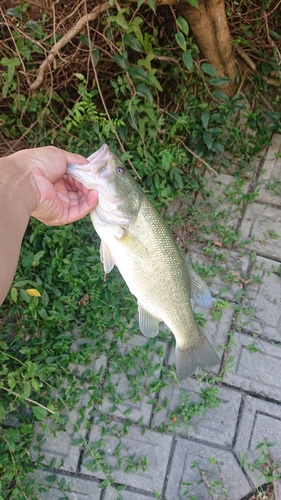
pixel 193 356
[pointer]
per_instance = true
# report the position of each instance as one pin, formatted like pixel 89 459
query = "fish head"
pixel 119 195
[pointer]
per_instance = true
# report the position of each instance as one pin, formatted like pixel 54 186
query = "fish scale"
pixel 135 238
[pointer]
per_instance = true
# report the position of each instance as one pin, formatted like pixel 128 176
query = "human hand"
pixel 55 198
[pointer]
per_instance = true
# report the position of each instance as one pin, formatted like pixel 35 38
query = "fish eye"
pixel 121 170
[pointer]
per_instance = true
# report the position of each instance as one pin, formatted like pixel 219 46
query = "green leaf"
pixel 35 384
pixel 120 20
pixel 275 35
pixel 24 295
pixel 37 257
pixel 79 76
pixel 26 428
pixel 131 41
pixel 219 80
pixel 2 413
pixel 39 413
pixel 11 64
pixel 179 180
pixel 20 283
pixel 152 80
pixel 43 313
pixel 13 12
pixel 208 69
pixel 205 118
pixel 14 294
pixel 151 4
pixel 194 3
pixel 143 89
pixel 208 139
pixel 137 73
pixel 188 61
pixel 51 479
pixel 219 94
pixel 121 60
pixel 26 391
pixel 181 41
pixel 84 39
pixel 183 26
pixel 96 56
pixel 34 26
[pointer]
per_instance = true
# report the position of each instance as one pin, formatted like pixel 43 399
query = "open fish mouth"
pixel 102 155
pixel 87 174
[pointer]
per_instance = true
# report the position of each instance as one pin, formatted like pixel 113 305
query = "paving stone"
pixel 216 332
pixel 264 298
pixel 259 420
pixel 81 489
pixel 271 173
pixel 126 495
pixel 217 209
pixel 152 445
pixel 256 372
pixel 138 409
pixel 277 485
pixel 231 274
pixel 58 446
pixel 96 363
pixel 216 426
pixel 199 466
pixel 258 220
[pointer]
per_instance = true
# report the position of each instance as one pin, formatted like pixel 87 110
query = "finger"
pixel 74 185
pixel 78 211
pixel 74 158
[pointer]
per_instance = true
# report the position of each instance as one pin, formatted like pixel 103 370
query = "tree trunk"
pixel 210 29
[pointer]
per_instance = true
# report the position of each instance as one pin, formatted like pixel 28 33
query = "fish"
pixel 136 239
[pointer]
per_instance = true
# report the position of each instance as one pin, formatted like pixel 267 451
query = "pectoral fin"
pixel 106 258
pixel 200 292
pixel 149 324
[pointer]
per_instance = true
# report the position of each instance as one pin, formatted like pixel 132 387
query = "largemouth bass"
pixel 135 238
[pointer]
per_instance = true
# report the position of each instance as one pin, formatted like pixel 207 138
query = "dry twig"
pixel 65 39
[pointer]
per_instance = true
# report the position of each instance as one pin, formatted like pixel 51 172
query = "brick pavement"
pixel 201 462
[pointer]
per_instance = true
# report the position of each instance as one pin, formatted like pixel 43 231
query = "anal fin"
pixel 149 324
pixel 106 258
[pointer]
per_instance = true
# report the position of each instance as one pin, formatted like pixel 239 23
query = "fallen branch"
pixel 253 67
pixel 64 40
pixel 200 159
pixel 29 400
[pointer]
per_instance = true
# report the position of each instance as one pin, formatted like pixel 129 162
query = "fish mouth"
pixel 102 155
pixel 88 174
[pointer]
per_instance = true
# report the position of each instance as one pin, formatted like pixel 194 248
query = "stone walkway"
pixel 214 460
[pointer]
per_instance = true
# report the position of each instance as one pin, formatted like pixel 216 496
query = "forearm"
pixel 16 203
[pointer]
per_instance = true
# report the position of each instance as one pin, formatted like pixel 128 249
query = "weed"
pixel 187 409
pixel 265 467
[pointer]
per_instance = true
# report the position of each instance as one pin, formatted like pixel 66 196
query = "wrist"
pixel 16 181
